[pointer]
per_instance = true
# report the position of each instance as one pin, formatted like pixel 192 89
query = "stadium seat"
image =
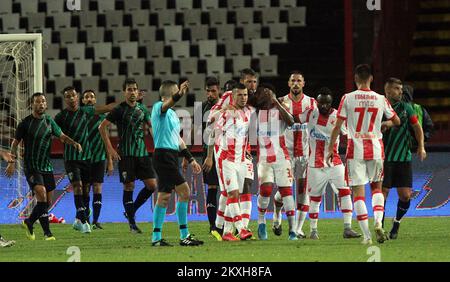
pixel 105 5
pixel 95 35
pixel 146 34
pixel 207 48
pixel 63 21
pixel 261 4
pixel 136 66
pixel 90 82
pixel 240 63
pixel 115 84
pixel 162 66
pixel 218 17
pixel 278 33
pixel 297 16
pixel 68 36
pixel 166 17
pixel 199 32
pixel 144 82
pixel 224 77
pixel 55 6
pixel 183 5
pixel 192 17
pixel 251 31
pixel 140 18
pixel 155 49
pixel 49 102
pixel 36 21
pixel 83 68
pixel 172 33
pixel 268 65
pixel 5 7
pixel 188 65
pixel 114 18
pixel 46 35
pixel 52 112
pixel 236 4
pixel 128 50
pixel 225 32
pixel 234 47
pixel 244 16
pixel 196 82
pixel 260 47
pixel 100 97
pixel 121 34
pixel 10 22
pixel 270 16
pixel 27 7
pixel 150 98
pixel 169 76
pixel 76 51
pixel 158 5
pixel 110 67
pixel 132 5
pixel 288 3
pixel 56 68
pixel 210 4
pixel 102 50
pixel 215 65
pixel 180 49
pixel 61 83
pixel 87 19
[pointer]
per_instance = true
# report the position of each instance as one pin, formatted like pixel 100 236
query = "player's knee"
pixel 97 188
pixel 128 186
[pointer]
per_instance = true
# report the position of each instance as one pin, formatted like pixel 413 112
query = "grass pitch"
pixel 420 239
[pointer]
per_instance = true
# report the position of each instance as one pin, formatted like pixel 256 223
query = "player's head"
pixel 229 85
pixel 240 95
pixel 130 90
pixel 263 97
pixel 212 88
pixel 89 98
pixel 249 78
pixel 167 89
pixel 296 82
pixel 39 103
pixel 393 89
pixel 363 74
pixel 71 97
pixel 324 100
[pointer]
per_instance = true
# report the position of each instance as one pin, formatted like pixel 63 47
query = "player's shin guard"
pixel 228 220
pixel 314 212
pixel 302 210
pixel 158 219
pixel 402 208
pixel 128 204
pixel 142 197
pixel 211 207
pixel 246 208
pixel 235 212
pixel 97 206
pixel 361 214
pixel 278 205
pixel 79 205
pixel 377 205
pixel 345 195
pixel 181 211
pixel 289 205
pixel 43 220
pixel 221 210
pixel 265 191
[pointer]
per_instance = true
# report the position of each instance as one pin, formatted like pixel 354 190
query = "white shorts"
pixel 361 172
pixel 231 175
pixel 299 167
pixel 279 173
pixel 250 174
pixel 318 179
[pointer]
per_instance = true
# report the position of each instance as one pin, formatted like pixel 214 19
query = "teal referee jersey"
pixel 166 128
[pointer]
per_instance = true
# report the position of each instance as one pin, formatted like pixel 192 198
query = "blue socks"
pixel 182 208
pixel 158 219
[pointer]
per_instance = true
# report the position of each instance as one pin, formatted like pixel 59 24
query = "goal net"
pixel 20 77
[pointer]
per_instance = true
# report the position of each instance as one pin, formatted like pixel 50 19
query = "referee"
pixel 168 144
pixel 397 163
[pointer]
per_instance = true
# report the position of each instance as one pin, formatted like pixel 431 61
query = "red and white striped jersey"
pixel 297 134
pixel 271 136
pixel 363 110
pixel 319 131
pixel 231 134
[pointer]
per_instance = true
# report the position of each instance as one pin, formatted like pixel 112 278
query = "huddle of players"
pixel 297 139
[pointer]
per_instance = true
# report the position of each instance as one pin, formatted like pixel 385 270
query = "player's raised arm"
pixel 67 140
pixel 103 129
pixel 169 103
pixel 101 109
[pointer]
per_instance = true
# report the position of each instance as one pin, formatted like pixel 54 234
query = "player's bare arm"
pixel 418 133
pixel 11 168
pixel 333 138
pixel 103 128
pixel 285 115
pixel 69 141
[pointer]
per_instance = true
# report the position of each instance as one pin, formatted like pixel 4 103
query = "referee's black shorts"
pixel 45 179
pixel 211 177
pixel 397 174
pixel 167 169
pixel 132 168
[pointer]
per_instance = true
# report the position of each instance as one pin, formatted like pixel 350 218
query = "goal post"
pixel 21 75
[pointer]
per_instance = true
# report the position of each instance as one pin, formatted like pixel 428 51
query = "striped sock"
pixel 235 212
pixel 278 205
pixel 265 191
pixel 246 208
pixel 181 211
pixel 289 205
pixel 221 210
pixel 228 224
pixel 377 205
pixel 314 207
pixel 361 214
pixel 158 219
pixel 346 206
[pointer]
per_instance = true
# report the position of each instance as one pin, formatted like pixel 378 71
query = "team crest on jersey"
pixel 124 174
pixel 228 182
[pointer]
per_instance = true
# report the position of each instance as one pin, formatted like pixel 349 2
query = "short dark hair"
pixel 247 71
pixel 68 88
pixel 393 80
pixel 297 72
pixel 229 85
pixel 88 90
pixel 37 94
pixel 239 86
pixel 212 81
pixel 325 91
pixel 363 72
pixel 268 86
pixel 166 84
pixel 128 81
